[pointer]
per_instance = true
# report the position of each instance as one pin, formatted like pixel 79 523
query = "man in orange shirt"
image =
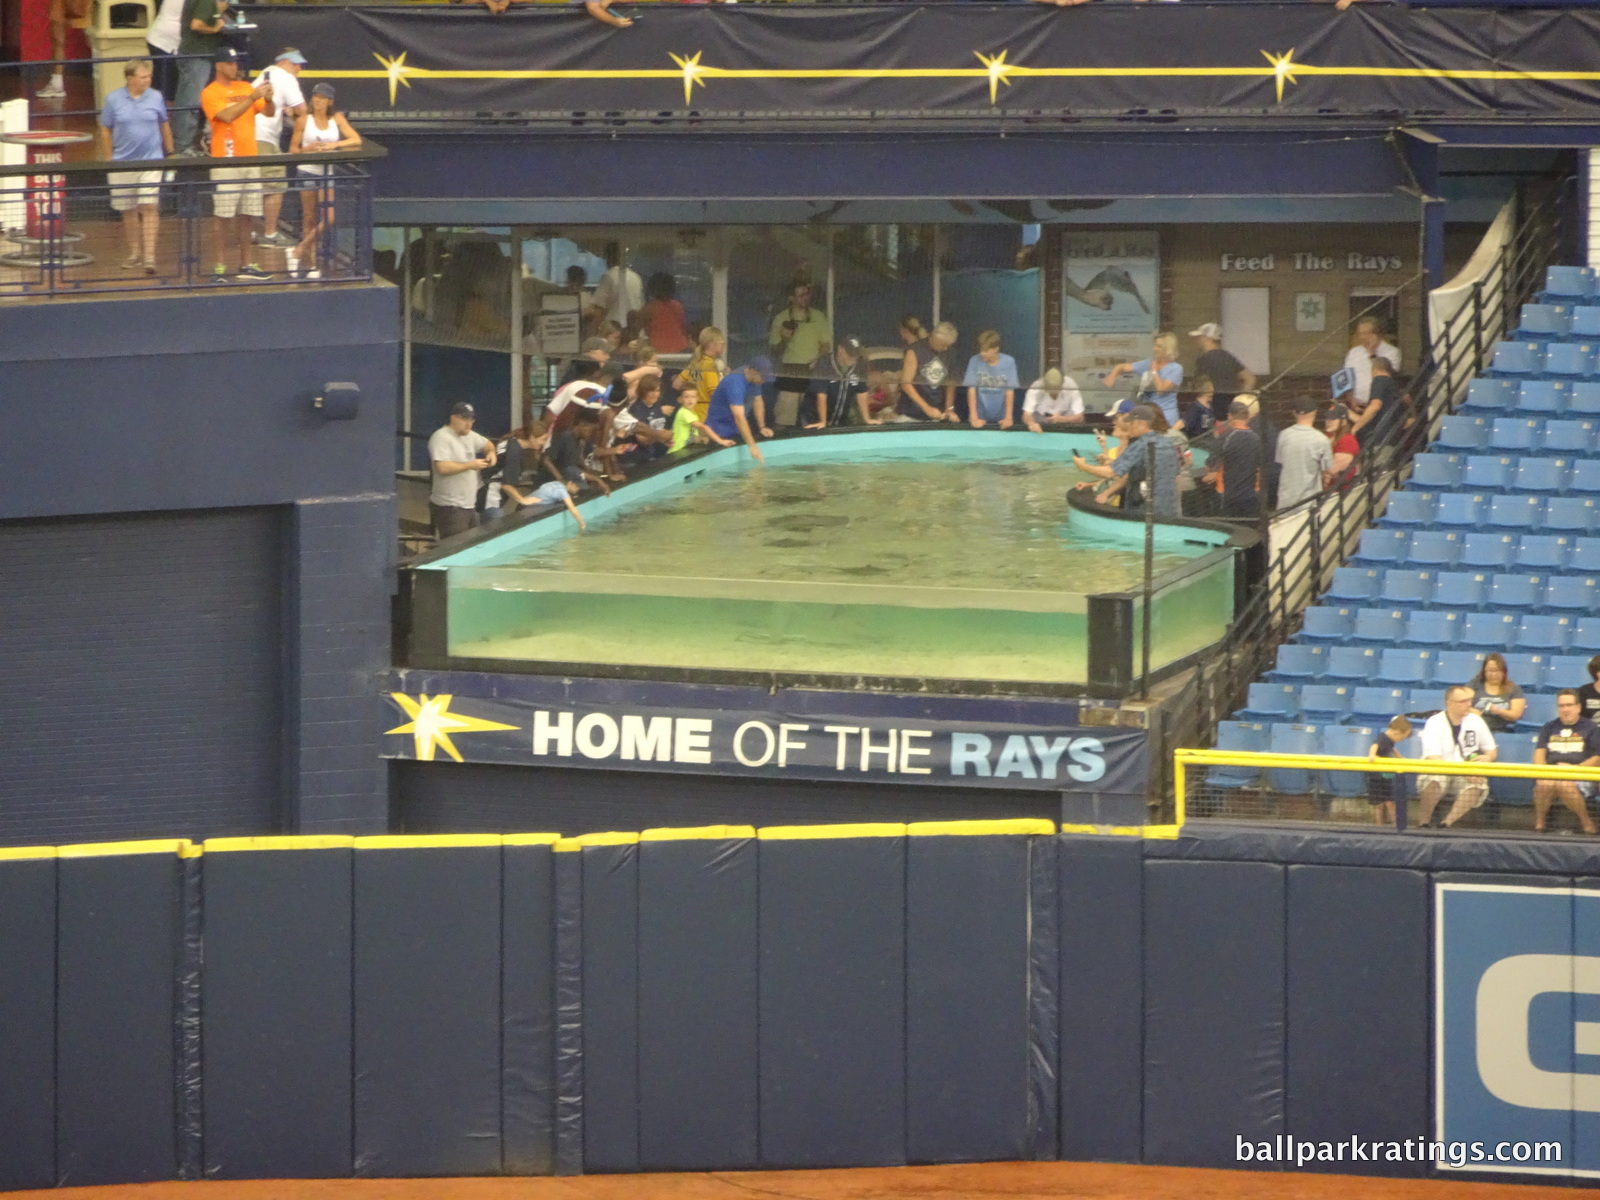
pixel 231 105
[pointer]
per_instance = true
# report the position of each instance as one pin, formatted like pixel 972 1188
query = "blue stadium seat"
pixel 1457 666
pixel 1346 741
pixel 1272 702
pixel 1571 593
pixel 1292 739
pixel 1541 474
pixel 1378 624
pixel 1409 508
pixel 1585 321
pixel 1548 320
pixel 1432 627
pixel 1423 700
pixel 1249 736
pixel 1350 664
pixel 1459 509
pixel 1324 703
pixel 1488 472
pixel 1569 359
pixel 1583 399
pixel 1525 669
pixel 1565 671
pixel 1355 583
pixel 1585 477
pixel 1513 748
pixel 1585 556
pixel 1490 630
pixel 1540 710
pixel 1542 552
pixel 1400 665
pixel 1322 623
pixel 1493 396
pixel 1540 631
pixel 1514 511
pixel 1463 431
pixel 1298 662
pixel 1487 550
pixel 1515 434
pixel 1436 470
pixel 1572 514
pixel 1517 358
pixel 1433 548
pixel 1576 282
pixel 1515 593
pixel 1585 636
pixel 1460 589
pixel 1377 705
pixel 1543 397
pixel 1568 437
pixel 1406 587
pixel 1382 546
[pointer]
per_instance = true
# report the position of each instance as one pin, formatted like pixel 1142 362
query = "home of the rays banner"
pixel 1112 60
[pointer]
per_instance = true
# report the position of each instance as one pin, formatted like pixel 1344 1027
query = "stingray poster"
pixel 1111 283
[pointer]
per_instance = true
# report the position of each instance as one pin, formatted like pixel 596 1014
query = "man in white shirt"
pixel 459 456
pixel 620 292
pixel 1458 734
pixel 1052 400
pixel 288 106
pixel 1369 341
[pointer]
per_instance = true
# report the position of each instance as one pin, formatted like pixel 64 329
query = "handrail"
pixel 368 151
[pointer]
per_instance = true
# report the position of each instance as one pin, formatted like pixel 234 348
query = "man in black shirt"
pixel 1228 375
pixel 1589 693
pixel 1571 740
pixel 1236 460
pixel 1379 420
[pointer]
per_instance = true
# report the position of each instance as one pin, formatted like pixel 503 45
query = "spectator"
pixel 1499 701
pixel 1149 454
pixel 1053 399
pixel 1458 734
pixel 578 283
pixel 587 392
pixel 662 319
pixel 231 106
pixel 1381 790
pixel 649 421
pixel 846 390
pixel 134 127
pixel 1227 374
pixel 1200 415
pixel 1571 740
pixel 619 294
pixel 799 335
pixel 1589 693
pixel 459 458
pixel 289 105
pixel 200 35
pixel 1380 418
pixel 687 426
pixel 1159 377
pixel 64 15
pixel 1305 458
pixel 1234 467
pixel 1369 341
pixel 992 376
pixel 595 350
pixel 161 43
pixel 730 402
pixel 320 129
pixel 910 330
pixel 523 449
pixel 882 401
pixel 923 373
pixel 1336 424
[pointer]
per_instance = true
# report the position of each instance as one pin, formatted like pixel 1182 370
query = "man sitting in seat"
pixel 1458 734
pixel 1571 740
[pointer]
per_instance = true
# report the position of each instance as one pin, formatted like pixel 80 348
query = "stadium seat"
pixel 1547 320
pixel 1488 472
pixel 1491 630
pixel 1355 583
pixel 1458 508
pixel 1377 705
pixel 1424 700
pixel 1569 281
pixel 1346 741
pixel 1411 668
pixel 1585 636
pixel 1378 624
pixel 1326 624
pixel 1272 702
pixel 1514 511
pixel 1515 592
pixel 1585 556
pixel 1406 587
pixel 1569 359
pixel 1456 666
pixel 1299 662
pixel 1515 434
pixel 1541 631
pixel 1542 397
pixel 1513 747
pixel 1517 358
pixel 1460 589
pixel 1249 736
pixel 1540 474
pixel 1565 671
pixel 1432 627
pixel 1583 399
pixel 1571 593
pixel 1436 471
pixel 1573 514
pixel 1540 710
pixel 1433 548
pixel 1409 508
pixel 1487 550
pixel 1542 552
pixel 1585 321
pixel 1350 664
pixel 1463 431
pixel 1492 396
pixel 1292 739
pixel 1585 477
pixel 1525 669
pixel 1382 546
pixel 1324 703
pixel 1568 437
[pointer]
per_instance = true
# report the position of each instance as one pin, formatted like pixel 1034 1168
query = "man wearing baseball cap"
pixel 1305 456
pixel 459 456
pixel 738 392
pixel 1228 375
pixel 231 105
pixel 289 104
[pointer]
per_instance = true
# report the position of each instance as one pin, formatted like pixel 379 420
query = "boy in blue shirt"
pixel 738 392
pixel 994 377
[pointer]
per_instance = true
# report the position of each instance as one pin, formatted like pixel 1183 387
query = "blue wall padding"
pixel 1214 1009
pixel 967 1081
pixel 527 1094
pixel 116 1070
pixel 1102 998
pixel 833 1002
pixel 427 1011
pixel 1044 998
pixel 1357 1005
pixel 28 1024
pixel 697 1005
pixel 568 867
pixel 611 1008
pixel 276 1002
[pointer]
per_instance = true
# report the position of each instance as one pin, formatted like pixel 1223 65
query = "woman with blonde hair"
pixel 705 370
pixel 911 330
pixel 1159 377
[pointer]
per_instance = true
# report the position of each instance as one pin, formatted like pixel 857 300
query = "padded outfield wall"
pixel 794 997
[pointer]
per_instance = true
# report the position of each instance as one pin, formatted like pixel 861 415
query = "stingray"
pixel 1009 468
pixel 1116 279
pixel 807 522
pixel 792 499
pixel 868 569
pixel 788 543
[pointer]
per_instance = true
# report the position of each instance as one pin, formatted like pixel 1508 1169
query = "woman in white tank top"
pixel 321 129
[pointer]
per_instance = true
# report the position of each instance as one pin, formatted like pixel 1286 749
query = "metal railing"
pixel 82 228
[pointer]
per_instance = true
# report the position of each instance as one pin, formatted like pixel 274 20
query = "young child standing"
pixel 1383 792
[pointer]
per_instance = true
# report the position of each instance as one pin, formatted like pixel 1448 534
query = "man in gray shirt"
pixel 458 455
pixel 1304 454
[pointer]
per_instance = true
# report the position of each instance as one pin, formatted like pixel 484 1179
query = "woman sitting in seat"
pixel 1499 701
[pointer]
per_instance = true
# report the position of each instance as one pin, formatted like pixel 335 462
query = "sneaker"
pixel 312 274
pixel 219 274
pixel 52 90
pixel 281 241
pixel 132 263
pixel 252 271
pixel 149 268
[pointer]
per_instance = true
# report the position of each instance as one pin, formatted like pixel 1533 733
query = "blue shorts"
pixel 553 492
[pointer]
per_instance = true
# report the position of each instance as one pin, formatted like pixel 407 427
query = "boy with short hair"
pixel 1382 793
pixel 533 440
pixel 993 378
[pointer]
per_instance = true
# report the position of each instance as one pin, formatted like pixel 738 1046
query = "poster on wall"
pixel 1110 307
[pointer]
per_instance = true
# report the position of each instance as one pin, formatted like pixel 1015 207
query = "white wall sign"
pixel 1310 312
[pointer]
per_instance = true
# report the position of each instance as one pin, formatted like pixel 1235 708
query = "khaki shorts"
pixel 134 189
pixel 233 196
pixel 274 179
pixel 1453 785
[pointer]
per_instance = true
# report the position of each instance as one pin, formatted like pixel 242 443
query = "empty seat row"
pixel 1517 435
pixel 1546 397
pixel 1552 633
pixel 1313 662
pixel 1465 591
pixel 1550 360
pixel 1480 550
pixel 1503 510
pixel 1568 283
pixel 1549 553
pixel 1505 473
pixel 1558 318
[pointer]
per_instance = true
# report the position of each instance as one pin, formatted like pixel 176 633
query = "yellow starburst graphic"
pixel 692 72
pixel 1283 68
pixel 396 70
pixel 998 68
pixel 432 723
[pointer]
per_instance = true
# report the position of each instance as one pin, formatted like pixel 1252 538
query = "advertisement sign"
pixel 1110 307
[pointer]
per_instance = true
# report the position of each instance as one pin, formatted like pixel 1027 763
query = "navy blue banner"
pixel 959 741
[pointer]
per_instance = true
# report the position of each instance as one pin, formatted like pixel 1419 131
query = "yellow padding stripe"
pixel 607 839
pixel 427 841
pixel 530 839
pixel 320 841
pixel 18 853
pixel 1116 830
pixel 797 833
pixel 1028 825
pixel 111 849
pixel 566 845
pixel 709 832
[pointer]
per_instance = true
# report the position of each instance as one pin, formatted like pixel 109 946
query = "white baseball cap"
pixel 1209 330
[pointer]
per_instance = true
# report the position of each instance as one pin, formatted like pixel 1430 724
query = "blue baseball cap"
pixel 762 365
